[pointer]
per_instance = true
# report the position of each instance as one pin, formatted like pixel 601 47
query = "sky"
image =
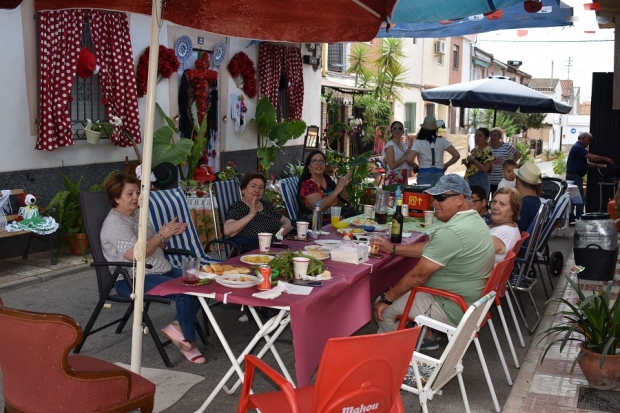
pixel 547 49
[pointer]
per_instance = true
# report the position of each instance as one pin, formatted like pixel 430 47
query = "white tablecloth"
pixel 575 196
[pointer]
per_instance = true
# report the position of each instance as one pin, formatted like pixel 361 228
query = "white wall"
pixel 412 62
pixel 575 124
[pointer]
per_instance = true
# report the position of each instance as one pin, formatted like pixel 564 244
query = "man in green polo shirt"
pixel 458 258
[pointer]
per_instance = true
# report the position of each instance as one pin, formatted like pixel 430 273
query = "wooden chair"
pixel 354 372
pixel 39 375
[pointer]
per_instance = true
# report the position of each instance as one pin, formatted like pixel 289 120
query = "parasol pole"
pixel 147 149
pixel 494 116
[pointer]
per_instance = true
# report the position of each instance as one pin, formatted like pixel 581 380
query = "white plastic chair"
pixel 450 363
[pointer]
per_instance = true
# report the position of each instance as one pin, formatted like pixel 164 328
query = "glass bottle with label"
pixel 396 235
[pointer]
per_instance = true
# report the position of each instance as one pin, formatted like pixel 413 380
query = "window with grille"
pixel 336 57
pixel 455 58
pixel 410 122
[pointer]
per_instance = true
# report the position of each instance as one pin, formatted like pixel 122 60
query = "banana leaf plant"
pixel 189 151
pixel 273 135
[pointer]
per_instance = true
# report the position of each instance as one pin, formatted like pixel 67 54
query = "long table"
pixel 338 309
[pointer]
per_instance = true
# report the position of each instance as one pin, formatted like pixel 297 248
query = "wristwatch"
pixel 384 300
pixel 393 250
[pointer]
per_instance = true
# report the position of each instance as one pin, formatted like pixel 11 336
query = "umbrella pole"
pixel 494 117
pixel 147 149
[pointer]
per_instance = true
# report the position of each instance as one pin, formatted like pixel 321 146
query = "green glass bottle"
pixel 396 236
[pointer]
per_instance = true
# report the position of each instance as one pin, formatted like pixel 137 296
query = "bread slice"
pixel 207 268
pixel 226 267
pixel 217 268
pixel 243 270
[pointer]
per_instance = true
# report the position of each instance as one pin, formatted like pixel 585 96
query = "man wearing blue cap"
pixel 458 258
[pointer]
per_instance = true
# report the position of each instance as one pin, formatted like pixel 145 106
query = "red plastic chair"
pixel 354 372
pixel 496 283
pixel 39 375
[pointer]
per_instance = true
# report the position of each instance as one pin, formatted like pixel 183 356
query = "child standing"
pixel 509 176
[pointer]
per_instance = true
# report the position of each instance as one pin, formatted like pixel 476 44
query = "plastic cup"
pixel 190 267
pixel 374 245
pixel 264 241
pixel 368 209
pixel 300 266
pixel 335 214
pixel 405 210
pixel 302 229
pixel 428 217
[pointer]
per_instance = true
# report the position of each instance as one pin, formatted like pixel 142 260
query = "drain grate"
pixel 601 400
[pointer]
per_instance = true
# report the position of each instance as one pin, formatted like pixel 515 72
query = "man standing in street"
pixel 458 258
pixel 579 160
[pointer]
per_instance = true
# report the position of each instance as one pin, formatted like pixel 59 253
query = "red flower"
pixel 200 77
pixel 242 66
pixel 166 66
pixel 232 164
pixel 104 101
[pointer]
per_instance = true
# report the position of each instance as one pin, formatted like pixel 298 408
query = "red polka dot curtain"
pixel 60 33
pixel 270 60
pixel 112 43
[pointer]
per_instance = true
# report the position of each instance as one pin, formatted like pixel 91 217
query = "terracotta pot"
pixel 601 379
pixel 78 244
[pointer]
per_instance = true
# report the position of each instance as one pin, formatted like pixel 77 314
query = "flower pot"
pixel 78 244
pixel 92 136
pixel 601 379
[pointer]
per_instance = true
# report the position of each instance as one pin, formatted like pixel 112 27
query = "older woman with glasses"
pixel 315 185
pixel 396 152
pixel 505 209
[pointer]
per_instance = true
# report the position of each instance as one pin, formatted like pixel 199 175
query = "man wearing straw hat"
pixel 529 185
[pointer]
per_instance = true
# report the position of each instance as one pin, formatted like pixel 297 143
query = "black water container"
pixel 596 246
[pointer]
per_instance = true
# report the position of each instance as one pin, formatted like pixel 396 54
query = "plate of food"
pixel 328 243
pixel 354 231
pixel 319 254
pixel 238 280
pixel 256 259
pixel 363 221
pixel 216 269
pixel 326 275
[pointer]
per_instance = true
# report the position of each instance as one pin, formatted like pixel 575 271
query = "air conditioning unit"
pixel 440 47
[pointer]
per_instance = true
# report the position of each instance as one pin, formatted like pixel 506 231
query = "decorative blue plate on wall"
pixel 183 48
pixel 219 53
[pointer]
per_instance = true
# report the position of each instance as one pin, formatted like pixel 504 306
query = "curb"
pixel 46 276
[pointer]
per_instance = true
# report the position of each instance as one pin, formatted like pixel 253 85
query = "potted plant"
pixel 594 322
pixel 94 131
pixel 358 166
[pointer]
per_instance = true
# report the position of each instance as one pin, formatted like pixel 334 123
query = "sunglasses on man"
pixel 443 197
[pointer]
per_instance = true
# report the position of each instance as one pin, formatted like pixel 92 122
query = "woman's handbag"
pixel 348 211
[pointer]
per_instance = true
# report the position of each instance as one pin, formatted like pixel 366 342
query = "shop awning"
pixel 341 87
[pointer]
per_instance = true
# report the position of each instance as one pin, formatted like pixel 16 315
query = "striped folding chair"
pixel 163 207
pixel 289 194
pixel 227 193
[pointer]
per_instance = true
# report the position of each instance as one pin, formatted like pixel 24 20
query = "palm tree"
pixel 390 76
pixel 358 60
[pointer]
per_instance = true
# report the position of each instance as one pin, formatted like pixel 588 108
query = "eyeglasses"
pixel 397 128
pixel 473 201
pixel 318 161
pixel 443 197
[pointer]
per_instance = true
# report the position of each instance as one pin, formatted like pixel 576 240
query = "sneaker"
pixel 429 344
pixel 425 373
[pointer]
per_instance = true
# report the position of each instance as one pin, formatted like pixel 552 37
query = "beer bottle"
pixel 396 236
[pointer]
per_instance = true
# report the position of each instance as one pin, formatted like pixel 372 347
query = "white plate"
pixel 328 242
pixel 319 258
pixel 236 280
pixel 354 231
pixel 244 259
pixel 319 277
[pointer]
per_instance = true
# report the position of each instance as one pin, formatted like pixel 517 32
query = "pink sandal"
pixel 176 337
pixel 195 356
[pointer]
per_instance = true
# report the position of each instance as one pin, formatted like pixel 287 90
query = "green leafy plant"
pixel 593 320
pixel 559 164
pixel 293 170
pixel 273 135
pixel 377 113
pixel 525 151
pixel 230 172
pixel 357 165
pixel 103 127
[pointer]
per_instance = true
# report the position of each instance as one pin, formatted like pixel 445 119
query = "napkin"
pixel 276 291
pixel 202 275
pixel 279 234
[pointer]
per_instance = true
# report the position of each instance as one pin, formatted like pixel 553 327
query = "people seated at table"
pixel 529 186
pixel 480 203
pixel 458 258
pixel 119 235
pixel 508 171
pixel 429 148
pixel 396 153
pixel 505 208
pixel 480 161
pixel 315 185
pixel 253 214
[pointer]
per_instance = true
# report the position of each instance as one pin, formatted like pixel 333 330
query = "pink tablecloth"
pixel 338 309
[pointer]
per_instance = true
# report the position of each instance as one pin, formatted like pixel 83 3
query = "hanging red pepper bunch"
pixel 200 77
pixel 166 66
pixel 241 66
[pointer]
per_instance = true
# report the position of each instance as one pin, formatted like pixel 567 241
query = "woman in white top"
pixel 429 149
pixel 396 153
pixel 505 209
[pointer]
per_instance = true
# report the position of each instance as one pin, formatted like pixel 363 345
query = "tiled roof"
pixel 543 84
pixel 567 86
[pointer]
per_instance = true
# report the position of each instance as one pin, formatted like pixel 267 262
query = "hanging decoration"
pixel 242 69
pixel 200 78
pixel 166 66
pixel 238 111
pixel 219 53
pixel 183 48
